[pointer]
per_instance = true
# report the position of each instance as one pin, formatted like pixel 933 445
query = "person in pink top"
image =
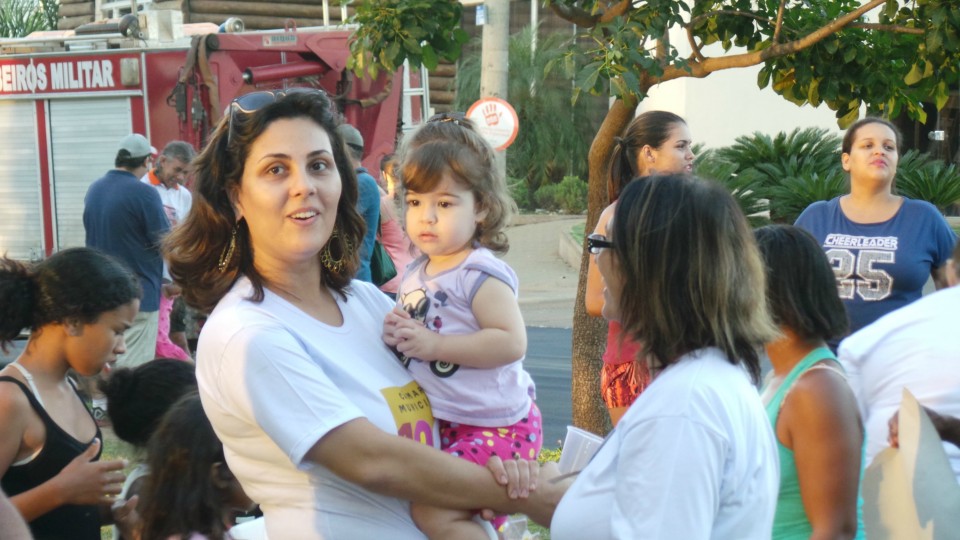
pixel 655 142
pixel 391 234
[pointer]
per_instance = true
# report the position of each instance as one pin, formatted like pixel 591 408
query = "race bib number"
pixel 411 412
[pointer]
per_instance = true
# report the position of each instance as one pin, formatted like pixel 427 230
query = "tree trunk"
pixel 589 333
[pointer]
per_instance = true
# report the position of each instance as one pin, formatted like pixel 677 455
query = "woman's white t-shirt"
pixel 274 381
pixel 693 458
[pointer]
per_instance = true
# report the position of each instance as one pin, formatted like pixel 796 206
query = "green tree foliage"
pixel 19 18
pixel 555 134
pixel 812 51
pixel 392 31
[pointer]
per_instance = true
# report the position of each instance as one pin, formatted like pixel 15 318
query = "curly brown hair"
pixel 195 247
pixel 454 146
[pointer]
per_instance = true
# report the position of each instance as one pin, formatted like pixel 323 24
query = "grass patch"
pixel 577 232
pixel 114 448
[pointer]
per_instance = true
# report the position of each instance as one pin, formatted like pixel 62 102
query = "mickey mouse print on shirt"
pixel 417 304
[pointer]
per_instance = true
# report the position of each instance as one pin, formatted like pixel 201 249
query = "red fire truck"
pixel 66 101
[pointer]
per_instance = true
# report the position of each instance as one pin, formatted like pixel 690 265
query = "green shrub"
pixel 569 196
pixel 520 192
pixel 921 177
pixel 795 193
pixel 815 149
pixel 746 187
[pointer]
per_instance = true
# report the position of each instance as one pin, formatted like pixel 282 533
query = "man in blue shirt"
pixel 368 202
pixel 124 217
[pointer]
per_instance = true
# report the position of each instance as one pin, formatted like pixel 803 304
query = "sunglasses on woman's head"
pixel 255 101
pixel 456 117
pixel 596 242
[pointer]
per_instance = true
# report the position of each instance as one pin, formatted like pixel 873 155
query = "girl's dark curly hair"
pixel 137 398
pixel 194 248
pixel 180 497
pixel 76 284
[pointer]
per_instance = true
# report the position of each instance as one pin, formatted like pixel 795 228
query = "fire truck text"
pixel 17 78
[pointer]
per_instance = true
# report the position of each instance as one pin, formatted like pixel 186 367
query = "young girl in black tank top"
pixel 77 305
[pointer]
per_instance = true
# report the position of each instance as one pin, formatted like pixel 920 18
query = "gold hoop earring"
pixel 227 254
pixel 326 256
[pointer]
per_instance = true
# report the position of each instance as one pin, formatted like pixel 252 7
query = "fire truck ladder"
pixel 414 89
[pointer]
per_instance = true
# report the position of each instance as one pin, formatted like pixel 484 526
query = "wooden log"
pixel 69 23
pixel 75 10
pixel 62 2
pixel 254 22
pixel 438 96
pixel 442 83
pixel 243 9
pixel 444 70
pixel 441 107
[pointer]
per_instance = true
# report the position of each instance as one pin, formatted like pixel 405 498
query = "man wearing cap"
pixel 124 217
pixel 368 202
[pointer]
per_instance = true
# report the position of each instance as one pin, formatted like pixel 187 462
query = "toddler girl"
pixel 458 326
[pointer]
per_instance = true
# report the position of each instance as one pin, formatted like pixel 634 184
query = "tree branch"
pixel 697 48
pixel 888 28
pixel 575 15
pixel 709 65
pixel 776 31
pixel 620 9
pixel 738 13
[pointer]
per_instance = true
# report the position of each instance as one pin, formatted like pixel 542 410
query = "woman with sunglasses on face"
pixel 320 422
pixel 883 247
pixel 695 457
pixel 655 142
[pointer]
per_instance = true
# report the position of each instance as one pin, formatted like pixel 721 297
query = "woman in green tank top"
pixel 812 409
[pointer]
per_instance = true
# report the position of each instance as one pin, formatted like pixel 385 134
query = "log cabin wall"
pixel 260 15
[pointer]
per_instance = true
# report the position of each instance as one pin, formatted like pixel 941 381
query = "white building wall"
pixel 727 104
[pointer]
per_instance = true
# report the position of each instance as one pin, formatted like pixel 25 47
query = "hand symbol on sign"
pixel 490 114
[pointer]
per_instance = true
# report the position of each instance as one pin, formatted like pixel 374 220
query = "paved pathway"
pixel 548 285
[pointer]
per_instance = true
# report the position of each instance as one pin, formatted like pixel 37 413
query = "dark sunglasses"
pixel 457 118
pixel 255 101
pixel 596 242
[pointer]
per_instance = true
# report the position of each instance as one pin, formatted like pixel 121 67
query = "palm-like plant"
pixel 815 148
pixel 554 135
pixel 746 186
pixel 19 18
pixel 794 193
pixel 921 177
